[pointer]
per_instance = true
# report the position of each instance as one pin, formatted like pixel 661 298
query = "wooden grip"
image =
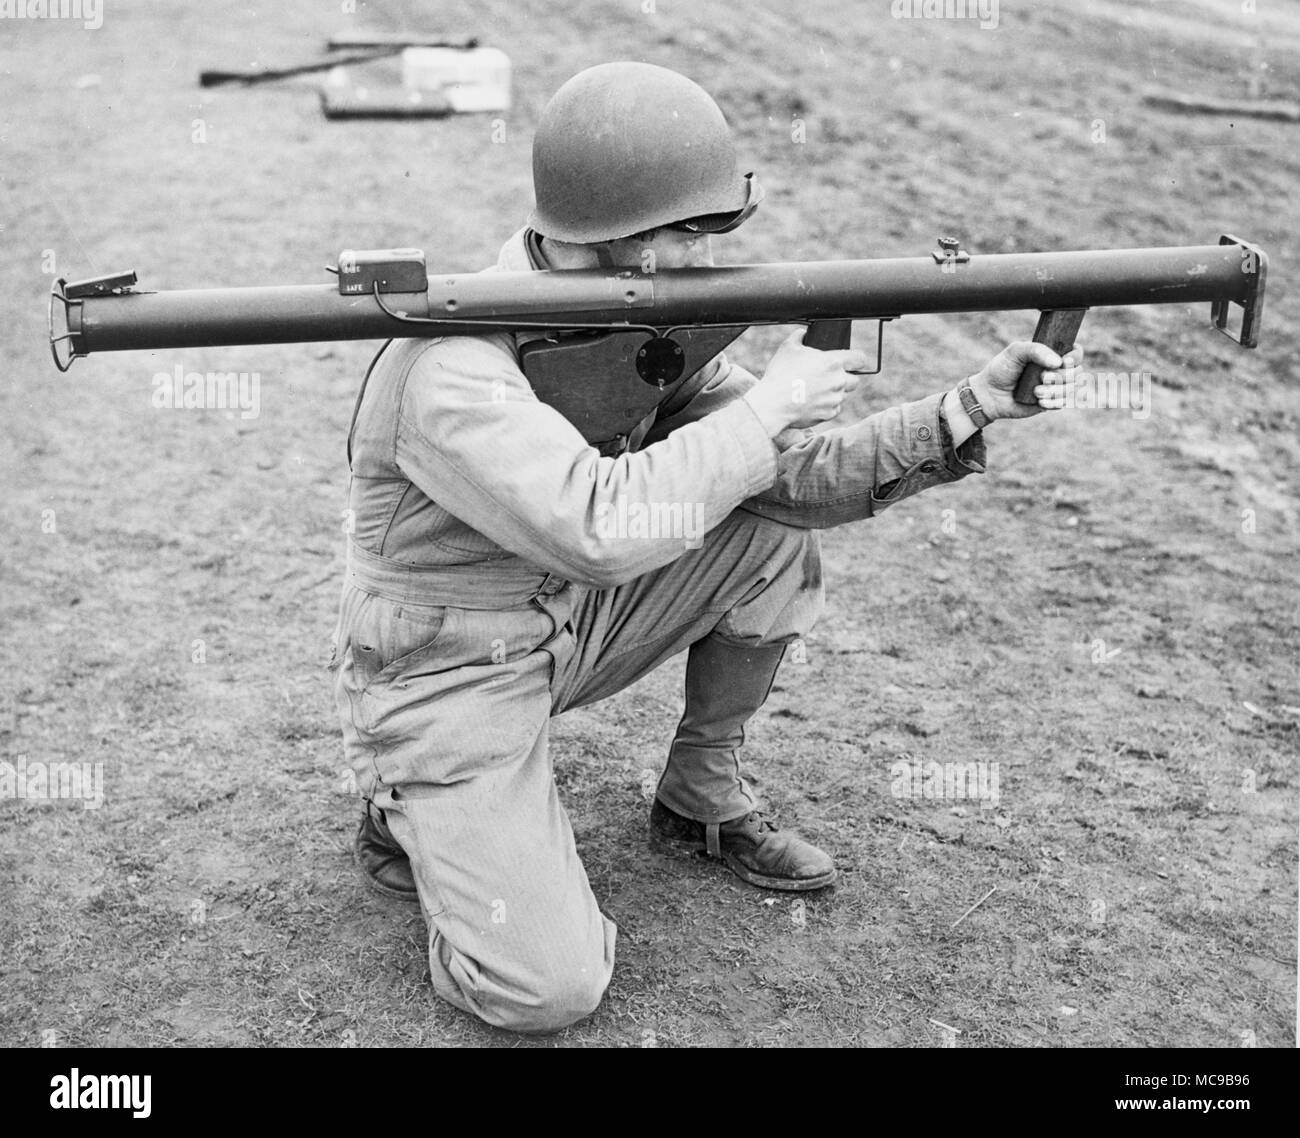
pixel 1057 329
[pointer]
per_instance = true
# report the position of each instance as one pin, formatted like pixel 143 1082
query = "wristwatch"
pixel 971 405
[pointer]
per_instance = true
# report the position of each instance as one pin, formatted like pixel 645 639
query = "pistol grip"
pixel 829 335
pixel 1057 329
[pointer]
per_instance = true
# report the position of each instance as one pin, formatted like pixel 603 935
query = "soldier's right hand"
pixel 804 386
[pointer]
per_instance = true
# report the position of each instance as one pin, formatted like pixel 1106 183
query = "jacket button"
pixel 929 467
pixel 923 433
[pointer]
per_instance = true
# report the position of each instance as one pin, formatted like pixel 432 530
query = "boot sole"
pixel 664 844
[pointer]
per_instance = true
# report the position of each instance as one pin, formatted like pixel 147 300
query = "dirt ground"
pixel 1110 614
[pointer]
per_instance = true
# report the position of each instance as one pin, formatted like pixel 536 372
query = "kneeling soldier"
pixel 486 591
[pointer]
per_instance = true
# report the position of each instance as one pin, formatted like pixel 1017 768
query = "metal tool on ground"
pixel 347 40
pixel 372 47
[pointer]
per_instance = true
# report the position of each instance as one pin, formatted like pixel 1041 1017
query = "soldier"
pixel 483 597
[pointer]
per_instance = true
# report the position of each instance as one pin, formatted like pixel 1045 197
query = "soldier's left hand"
pixel 995 384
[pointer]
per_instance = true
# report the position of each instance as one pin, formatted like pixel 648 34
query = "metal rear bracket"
pixel 1254 267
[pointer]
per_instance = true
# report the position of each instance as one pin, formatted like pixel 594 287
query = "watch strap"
pixel 971 405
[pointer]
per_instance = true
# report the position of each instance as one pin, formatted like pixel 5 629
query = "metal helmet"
pixel 626 147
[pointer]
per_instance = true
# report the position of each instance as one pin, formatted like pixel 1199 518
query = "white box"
pixel 477 79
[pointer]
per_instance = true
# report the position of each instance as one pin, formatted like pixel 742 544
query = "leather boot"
pixel 751 847
pixel 382 862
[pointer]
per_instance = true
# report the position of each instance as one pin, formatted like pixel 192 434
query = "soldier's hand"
pixel 804 386
pixel 995 384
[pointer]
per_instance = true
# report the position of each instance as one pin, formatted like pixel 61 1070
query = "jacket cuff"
pixel 934 460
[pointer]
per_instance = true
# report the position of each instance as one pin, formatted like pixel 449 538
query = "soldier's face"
pixel 666 249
